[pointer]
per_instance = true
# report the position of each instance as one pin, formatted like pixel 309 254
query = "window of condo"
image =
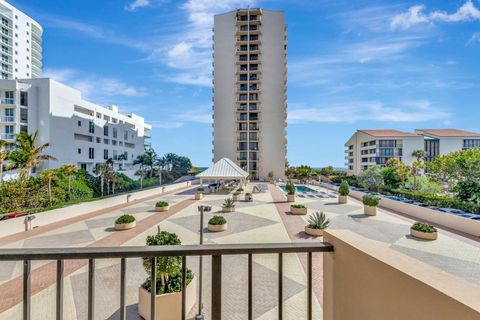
pixel 99 140
pixel 79 151
pixel 105 154
pixel 83 166
pixel 471 143
pixel 91 127
pixel 91 153
pixel 114 132
pixel 105 131
pixel 24 99
pixel 23 115
pixel 79 123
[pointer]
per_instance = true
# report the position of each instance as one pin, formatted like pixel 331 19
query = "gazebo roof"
pixel 223 169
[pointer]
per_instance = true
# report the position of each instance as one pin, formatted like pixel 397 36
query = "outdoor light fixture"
pixel 200 315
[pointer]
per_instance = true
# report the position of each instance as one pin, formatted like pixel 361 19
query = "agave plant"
pixel 318 220
pixel 229 203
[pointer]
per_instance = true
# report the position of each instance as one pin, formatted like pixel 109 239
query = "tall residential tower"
pixel 250 83
pixel 21 44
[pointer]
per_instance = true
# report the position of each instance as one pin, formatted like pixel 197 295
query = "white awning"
pixel 223 169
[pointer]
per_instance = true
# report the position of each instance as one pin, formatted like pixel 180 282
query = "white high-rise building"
pixel 79 132
pixel 250 83
pixel 21 44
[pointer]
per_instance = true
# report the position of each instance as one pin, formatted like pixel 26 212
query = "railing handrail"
pixel 159 251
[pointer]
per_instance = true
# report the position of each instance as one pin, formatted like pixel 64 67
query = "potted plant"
pixel 217 224
pixel 424 231
pixel 298 209
pixel 169 282
pixel 290 189
pixel 240 190
pixel 162 206
pixel 270 177
pixel 370 203
pixel 236 196
pixel 228 205
pixel 343 192
pixel 125 222
pixel 316 223
pixel 248 197
pixel 199 193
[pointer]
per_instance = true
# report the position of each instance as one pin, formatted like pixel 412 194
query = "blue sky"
pixel 351 65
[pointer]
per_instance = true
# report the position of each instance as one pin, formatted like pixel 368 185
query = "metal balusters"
pixel 184 286
pixel 59 306
pixel 123 271
pixel 153 288
pixel 27 268
pixel 280 286
pixel 216 287
pixel 309 287
pixel 91 289
pixel 250 288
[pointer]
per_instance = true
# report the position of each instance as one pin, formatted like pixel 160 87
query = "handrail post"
pixel 59 306
pixel 216 287
pixel 27 267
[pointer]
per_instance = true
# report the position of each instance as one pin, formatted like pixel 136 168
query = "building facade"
pixel 367 148
pixel 21 44
pixel 79 132
pixel 250 79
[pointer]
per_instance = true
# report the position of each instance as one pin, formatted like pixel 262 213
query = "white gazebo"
pixel 222 170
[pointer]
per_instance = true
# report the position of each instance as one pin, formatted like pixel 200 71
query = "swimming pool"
pixel 300 188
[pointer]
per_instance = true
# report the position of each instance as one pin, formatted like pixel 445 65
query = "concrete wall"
pixel 365 280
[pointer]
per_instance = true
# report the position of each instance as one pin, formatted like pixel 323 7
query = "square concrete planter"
pixel 217 227
pixel 424 235
pixel 199 196
pixel 228 209
pixel 294 210
pixel 125 226
pixel 313 232
pixel 236 197
pixel 169 306
pixel 370 210
pixel 290 197
pixel 342 199
pixel 162 209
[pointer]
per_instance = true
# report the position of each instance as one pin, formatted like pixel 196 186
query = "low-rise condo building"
pixel 367 148
pixel 80 132
pixel 250 102
pixel 21 44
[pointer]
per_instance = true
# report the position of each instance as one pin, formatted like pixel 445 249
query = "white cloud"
pixel 475 38
pixel 137 4
pixel 413 111
pixel 94 86
pixel 199 115
pixel 416 16
pixel 166 124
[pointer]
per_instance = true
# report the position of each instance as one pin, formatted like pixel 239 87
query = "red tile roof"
pixel 388 133
pixel 448 133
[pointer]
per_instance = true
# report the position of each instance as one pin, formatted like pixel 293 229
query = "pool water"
pixel 300 188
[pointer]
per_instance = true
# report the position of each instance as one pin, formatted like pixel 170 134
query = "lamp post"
pixel 200 315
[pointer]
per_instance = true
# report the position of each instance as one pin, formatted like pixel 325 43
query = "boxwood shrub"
pixel 298 206
pixel 424 227
pixel 370 200
pixel 217 221
pixel 124 219
pixel 161 204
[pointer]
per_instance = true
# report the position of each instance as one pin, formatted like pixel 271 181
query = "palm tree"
pixel 69 170
pixel 140 160
pixel 101 170
pixel 122 157
pixel 28 155
pixel 4 154
pixel 48 175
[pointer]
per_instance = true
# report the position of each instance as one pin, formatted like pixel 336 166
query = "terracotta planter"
pixel 217 227
pixel 125 226
pixel 342 199
pixel 199 196
pixel 424 235
pixel 169 306
pixel 370 210
pixel 236 197
pixel 162 209
pixel 313 232
pixel 294 210
pixel 229 209
pixel 290 197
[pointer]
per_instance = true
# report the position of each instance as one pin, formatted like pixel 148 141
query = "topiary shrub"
pixel 424 227
pixel 298 206
pixel 344 190
pixel 370 200
pixel 290 187
pixel 161 204
pixel 217 221
pixel 124 219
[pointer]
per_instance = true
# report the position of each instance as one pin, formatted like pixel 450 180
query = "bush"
pixel 351 180
pixel 161 204
pixel 370 200
pixel 372 178
pixel 237 193
pixel 124 219
pixel 200 189
pixel 290 188
pixel 343 190
pixel 424 227
pixel 240 189
pixel 298 206
pixel 217 221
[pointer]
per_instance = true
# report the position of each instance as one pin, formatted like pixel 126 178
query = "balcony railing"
pixel 7 136
pixel 7 101
pixel 216 251
pixel 7 119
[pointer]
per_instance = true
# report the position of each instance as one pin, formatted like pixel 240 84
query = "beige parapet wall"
pixel 16 225
pixel 366 280
pixel 451 221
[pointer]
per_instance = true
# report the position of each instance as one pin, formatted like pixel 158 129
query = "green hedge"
pixel 434 200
